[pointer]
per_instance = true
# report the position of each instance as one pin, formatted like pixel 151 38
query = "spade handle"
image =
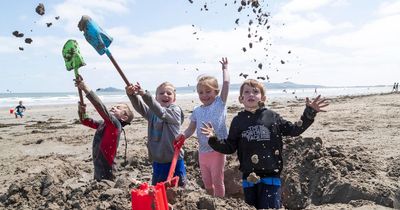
pixel 79 90
pixel 117 67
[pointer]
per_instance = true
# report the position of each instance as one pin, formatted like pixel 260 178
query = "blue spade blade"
pixel 94 34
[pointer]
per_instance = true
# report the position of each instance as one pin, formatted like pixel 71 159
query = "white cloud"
pixel 71 11
pixel 304 6
pixel 302 19
pixel 377 34
pixel 340 3
pixel 389 8
pixel 302 26
pixel 10 44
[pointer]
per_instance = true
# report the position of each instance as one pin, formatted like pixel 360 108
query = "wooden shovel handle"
pixel 118 68
pixel 80 96
pixel 77 76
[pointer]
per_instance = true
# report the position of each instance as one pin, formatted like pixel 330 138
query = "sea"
pixel 274 94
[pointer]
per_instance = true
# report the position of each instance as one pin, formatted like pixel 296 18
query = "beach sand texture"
pixel 348 159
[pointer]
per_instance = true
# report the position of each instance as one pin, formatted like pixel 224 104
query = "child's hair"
pixel 20 102
pixel 208 81
pixel 253 83
pixel 166 84
pixel 128 113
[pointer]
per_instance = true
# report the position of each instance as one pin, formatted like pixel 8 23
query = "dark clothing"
pixel 20 108
pixel 106 139
pixel 257 138
pixel 260 134
pixel 263 196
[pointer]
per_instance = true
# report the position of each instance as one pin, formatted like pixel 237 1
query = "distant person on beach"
pixel 394 87
pixel 108 131
pixel 19 110
pixel 256 134
pixel 164 122
pixel 212 110
pixel 397 87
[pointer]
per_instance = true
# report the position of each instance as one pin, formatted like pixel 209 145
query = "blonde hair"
pixel 166 84
pixel 254 84
pixel 208 81
pixel 128 113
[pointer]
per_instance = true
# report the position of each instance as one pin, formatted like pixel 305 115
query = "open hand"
pixel 207 130
pixel 317 104
pixel 224 63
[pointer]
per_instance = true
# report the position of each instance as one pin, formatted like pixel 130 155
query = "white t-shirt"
pixel 214 113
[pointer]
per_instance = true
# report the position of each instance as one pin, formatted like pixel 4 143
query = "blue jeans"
pixel 161 170
pixel 263 195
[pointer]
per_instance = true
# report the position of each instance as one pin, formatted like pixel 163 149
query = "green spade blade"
pixel 72 55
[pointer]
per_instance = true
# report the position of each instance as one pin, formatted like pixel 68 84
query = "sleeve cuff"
pixel 310 113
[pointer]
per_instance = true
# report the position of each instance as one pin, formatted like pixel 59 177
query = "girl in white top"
pixel 212 110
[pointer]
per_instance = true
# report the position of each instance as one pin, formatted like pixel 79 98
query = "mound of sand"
pixel 313 175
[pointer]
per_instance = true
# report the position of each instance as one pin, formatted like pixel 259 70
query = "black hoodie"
pixel 257 137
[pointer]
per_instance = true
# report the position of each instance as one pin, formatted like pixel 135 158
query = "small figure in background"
pixel 19 110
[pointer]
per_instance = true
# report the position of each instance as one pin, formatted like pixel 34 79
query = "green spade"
pixel 73 60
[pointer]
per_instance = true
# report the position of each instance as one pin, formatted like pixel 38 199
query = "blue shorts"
pixel 265 194
pixel 161 170
pixel 19 113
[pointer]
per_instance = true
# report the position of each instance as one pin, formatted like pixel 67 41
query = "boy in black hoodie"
pixel 256 134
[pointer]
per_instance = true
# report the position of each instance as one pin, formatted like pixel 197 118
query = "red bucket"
pixel 11 111
pixel 149 197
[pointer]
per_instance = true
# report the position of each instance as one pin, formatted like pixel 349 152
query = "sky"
pixel 323 42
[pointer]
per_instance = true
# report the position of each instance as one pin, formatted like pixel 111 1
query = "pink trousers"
pixel 212 171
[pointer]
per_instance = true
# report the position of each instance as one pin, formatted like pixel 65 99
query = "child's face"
pixel 206 94
pixel 119 111
pixel 165 96
pixel 250 97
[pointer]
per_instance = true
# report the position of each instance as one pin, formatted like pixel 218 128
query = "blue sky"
pixel 332 42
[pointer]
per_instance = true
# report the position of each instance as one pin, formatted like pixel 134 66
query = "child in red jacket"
pixel 108 130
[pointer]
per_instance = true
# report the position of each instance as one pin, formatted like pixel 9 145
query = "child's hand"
pixel 80 84
pixel 81 110
pixel 224 63
pixel 208 130
pixel 81 107
pixel 130 90
pixel 139 89
pixel 179 141
pixel 317 104
pixel 134 89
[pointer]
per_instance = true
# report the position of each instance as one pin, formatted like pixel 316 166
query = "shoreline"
pixel 8 101
pixel 232 99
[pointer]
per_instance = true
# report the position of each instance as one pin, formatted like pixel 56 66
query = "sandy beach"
pixel 348 159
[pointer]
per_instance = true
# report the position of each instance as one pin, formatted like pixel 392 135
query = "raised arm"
pixel 172 114
pixel 85 120
pixel 225 146
pixel 311 110
pixel 95 100
pixel 226 80
pixel 134 93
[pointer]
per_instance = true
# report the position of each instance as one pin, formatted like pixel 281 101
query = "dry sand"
pixel 348 159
